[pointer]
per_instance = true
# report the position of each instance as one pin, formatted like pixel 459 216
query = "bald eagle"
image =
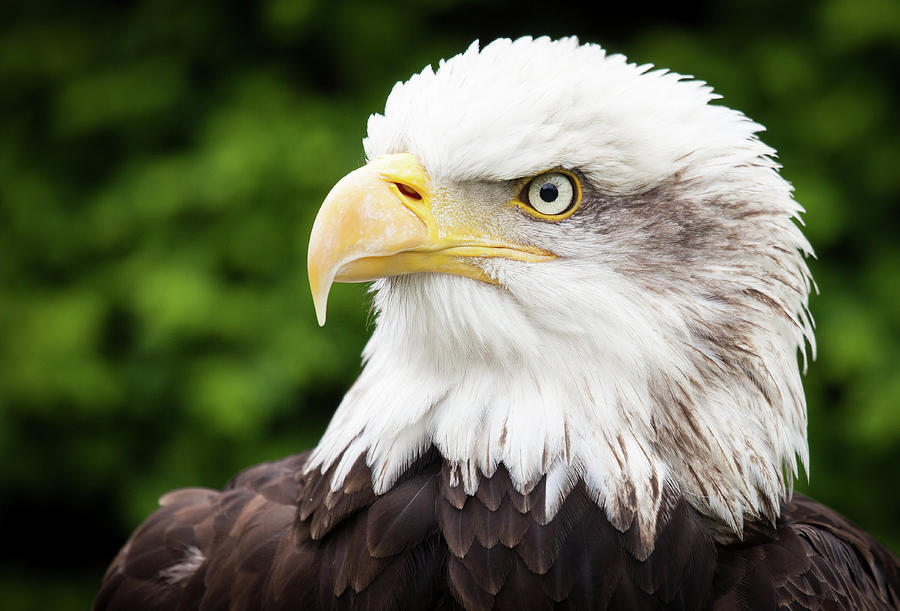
pixel 583 387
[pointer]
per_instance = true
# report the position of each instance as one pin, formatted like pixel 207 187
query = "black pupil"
pixel 549 192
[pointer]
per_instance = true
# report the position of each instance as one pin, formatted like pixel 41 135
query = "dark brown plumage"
pixel 274 539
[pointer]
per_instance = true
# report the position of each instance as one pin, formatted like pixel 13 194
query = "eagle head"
pixel 583 270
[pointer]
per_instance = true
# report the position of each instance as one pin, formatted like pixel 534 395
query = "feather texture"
pixel 246 547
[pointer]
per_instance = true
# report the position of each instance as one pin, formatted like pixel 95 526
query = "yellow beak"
pixel 377 221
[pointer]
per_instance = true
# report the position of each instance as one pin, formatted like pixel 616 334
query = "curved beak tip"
pixel 362 218
pixel 320 290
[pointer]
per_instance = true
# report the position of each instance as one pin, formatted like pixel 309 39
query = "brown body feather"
pixel 275 539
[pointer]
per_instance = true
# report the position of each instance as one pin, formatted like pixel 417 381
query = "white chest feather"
pixel 601 398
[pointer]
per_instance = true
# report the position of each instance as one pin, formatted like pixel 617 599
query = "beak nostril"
pixel 408 191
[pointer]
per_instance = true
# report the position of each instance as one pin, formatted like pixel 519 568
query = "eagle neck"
pixel 560 408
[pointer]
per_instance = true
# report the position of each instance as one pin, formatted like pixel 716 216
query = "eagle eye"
pixel 552 195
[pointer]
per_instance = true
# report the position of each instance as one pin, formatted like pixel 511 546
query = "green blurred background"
pixel 161 162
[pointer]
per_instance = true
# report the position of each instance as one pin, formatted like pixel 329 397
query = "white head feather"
pixel 658 350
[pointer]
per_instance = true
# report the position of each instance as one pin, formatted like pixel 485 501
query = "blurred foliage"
pixel 160 166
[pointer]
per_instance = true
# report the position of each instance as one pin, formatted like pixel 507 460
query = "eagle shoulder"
pixel 817 560
pixel 276 538
pixel 206 545
pixel 814 559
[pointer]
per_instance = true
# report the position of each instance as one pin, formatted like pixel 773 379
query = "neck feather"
pixel 631 417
